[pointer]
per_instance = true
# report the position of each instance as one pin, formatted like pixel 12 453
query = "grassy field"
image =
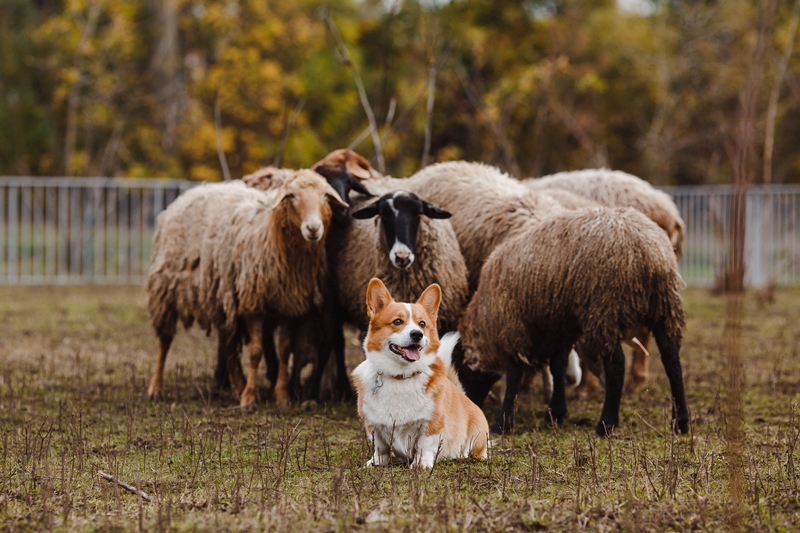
pixel 75 362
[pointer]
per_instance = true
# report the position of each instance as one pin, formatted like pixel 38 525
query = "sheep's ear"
pixel 369 211
pixel 356 185
pixel 281 197
pixel 334 197
pixel 378 297
pixel 358 166
pixel 433 211
pixel 430 299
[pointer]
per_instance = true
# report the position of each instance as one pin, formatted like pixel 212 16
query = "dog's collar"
pixel 411 375
pixel 379 382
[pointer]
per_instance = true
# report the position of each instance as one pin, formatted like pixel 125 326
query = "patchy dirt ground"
pixel 74 366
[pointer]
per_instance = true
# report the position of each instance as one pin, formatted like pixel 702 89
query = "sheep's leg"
pixel 670 357
pixel 344 390
pixel 559 358
pixel 477 384
pixel 505 419
pixel 284 349
pixel 233 363
pixel 641 361
pixel 589 384
pixel 270 353
pixel 250 394
pixel 614 368
pixel 227 350
pixel 311 390
pixel 164 342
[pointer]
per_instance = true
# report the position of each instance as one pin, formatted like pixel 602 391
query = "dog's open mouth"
pixel 409 353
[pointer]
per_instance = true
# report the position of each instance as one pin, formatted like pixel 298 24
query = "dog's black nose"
pixel 416 335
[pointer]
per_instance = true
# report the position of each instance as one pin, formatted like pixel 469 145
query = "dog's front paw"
pixel 422 463
pixel 378 460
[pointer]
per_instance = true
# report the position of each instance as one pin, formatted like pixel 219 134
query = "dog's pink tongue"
pixel 412 354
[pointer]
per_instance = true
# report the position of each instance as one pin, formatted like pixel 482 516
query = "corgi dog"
pixel 409 396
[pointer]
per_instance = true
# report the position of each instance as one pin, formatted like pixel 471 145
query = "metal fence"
pixel 79 230
pixel 100 230
pixel 772 234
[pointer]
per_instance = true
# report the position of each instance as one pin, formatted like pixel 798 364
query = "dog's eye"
pixel 422 323
pixel 398 322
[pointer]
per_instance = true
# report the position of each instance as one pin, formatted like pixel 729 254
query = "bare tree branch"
pixel 772 110
pixel 129 488
pixel 433 71
pixel 73 100
pixel 223 161
pixel 278 161
pixel 362 93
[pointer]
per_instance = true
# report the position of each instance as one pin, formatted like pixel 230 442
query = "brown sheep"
pixel 594 274
pixel 613 188
pixel 230 257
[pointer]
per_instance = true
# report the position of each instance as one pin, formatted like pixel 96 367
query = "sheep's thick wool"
pixel 592 273
pixel 222 251
pixel 613 188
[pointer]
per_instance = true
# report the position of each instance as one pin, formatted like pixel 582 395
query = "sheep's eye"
pixel 398 321
pixel 422 323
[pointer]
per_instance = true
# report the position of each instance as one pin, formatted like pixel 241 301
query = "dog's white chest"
pixel 397 402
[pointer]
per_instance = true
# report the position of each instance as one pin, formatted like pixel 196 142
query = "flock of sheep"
pixel 529 270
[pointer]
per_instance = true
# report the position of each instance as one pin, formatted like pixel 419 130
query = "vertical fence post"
pixel 3 235
pixel 13 234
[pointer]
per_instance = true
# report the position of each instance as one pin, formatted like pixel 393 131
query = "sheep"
pixel 319 331
pixel 409 246
pixel 594 274
pixel 233 258
pixel 613 188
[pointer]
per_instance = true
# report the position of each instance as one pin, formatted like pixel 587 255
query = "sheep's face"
pixel 307 199
pixel 399 213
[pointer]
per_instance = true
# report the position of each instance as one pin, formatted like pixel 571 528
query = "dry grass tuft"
pixel 75 365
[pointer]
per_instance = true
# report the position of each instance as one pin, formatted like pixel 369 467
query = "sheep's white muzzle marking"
pixel 400 255
pixel 312 229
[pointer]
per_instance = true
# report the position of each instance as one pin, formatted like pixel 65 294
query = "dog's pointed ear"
pixel 434 211
pixel 378 297
pixel 430 299
pixel 369 211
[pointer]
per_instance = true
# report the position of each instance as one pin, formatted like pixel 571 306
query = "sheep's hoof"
pixel 309 405
pixel 553 420
pixel 681 427
pixel 248 400
pixel 154 392
pixel 604 429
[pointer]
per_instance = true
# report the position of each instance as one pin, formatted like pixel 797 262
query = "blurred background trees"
pixel 130 87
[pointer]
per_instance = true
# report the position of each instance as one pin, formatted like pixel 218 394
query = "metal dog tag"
pixel 378 383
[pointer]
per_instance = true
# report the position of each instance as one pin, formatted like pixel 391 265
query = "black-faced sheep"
pixel 231 257
pixel 409 247
pixel 612 188
pixel 594 274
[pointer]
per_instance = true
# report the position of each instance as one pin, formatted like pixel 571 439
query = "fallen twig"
pixel 125 486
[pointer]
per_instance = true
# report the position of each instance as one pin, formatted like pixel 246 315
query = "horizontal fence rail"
pixel 100 230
